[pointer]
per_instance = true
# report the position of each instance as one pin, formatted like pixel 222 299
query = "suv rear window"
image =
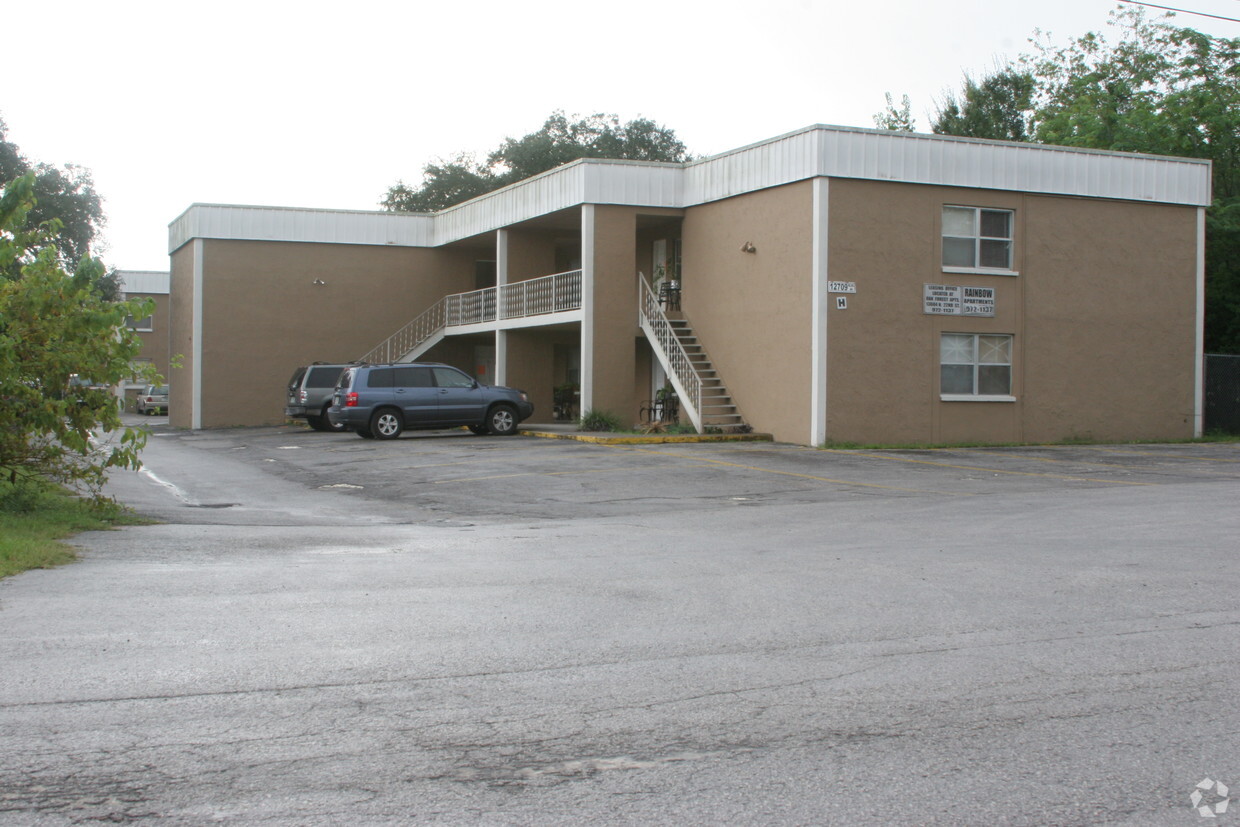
pixel 322 377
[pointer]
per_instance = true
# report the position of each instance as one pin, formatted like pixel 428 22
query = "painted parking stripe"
pixel 988 470
pixel 1161 455
pixel 853 483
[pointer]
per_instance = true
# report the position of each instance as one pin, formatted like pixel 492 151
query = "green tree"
pixel 559 141
pixel 896 120
pixel 1158 88
pixel 443 184
pixel 66 193
pixel 61 343
pixel 998 107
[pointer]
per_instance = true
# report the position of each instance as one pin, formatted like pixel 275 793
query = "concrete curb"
pixel 645 439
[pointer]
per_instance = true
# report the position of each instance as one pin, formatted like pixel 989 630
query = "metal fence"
pixel 1222 403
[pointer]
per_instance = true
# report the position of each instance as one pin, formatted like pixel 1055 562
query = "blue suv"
pixel 382 401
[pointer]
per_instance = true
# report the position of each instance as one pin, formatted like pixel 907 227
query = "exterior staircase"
pixel 716 408
pixel 702 393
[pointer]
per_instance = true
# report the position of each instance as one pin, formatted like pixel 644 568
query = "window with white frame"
pixel 975 365
pixel 976 238
pixel 143 325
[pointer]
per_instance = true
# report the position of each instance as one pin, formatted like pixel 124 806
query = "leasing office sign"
pixel 954 300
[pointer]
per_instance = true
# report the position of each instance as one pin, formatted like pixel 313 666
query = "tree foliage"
pixel 998 107
pixel 559 141
pixel 66 193
pixel 896 120
pixel 61 344
pixel 1158 88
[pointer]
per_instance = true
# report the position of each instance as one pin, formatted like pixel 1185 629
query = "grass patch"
pixel 35 518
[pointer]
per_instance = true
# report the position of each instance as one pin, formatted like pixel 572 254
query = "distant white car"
pixel 153 399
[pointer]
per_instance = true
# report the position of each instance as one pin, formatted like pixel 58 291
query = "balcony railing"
pixel 556 293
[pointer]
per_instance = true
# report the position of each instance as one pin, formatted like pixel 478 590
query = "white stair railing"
pixel 557 293
pixel 428 324
pixel 680 371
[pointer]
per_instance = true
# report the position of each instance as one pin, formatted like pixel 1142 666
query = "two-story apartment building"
pixel 153 330
pixel 833 284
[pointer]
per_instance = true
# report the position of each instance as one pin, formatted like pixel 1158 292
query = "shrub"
pixel 599 421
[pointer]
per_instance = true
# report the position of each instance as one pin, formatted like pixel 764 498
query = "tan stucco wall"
pixel 531 254
pixel 751 311
pixel 180 336
pixel 263 316
pixel 1110 318
pixel 614 313
pixel 1102 314
pixel 531 365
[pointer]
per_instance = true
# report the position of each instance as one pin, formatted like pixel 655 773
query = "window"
pixel 323 377
pixel 449 378
pixel 145 325
pixel 381 378
pixel 977 239
pixel 413 378
pixel 975 366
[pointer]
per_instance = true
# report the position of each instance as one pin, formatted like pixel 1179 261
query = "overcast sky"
pixel 314 104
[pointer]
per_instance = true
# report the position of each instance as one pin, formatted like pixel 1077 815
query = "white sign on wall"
pixel 841 287
pixel 953 300
pixel 977 301
pixel 940 299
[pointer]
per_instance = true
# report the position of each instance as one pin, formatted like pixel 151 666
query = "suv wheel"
pixel 387 424
pixel 502 420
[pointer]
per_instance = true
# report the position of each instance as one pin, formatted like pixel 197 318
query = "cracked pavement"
pixel 456 630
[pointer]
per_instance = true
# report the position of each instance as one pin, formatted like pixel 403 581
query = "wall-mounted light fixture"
pixel 748 247
pixel 319 282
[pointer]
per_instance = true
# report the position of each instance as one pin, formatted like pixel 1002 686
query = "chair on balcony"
pixel 666 410
pixel 669 295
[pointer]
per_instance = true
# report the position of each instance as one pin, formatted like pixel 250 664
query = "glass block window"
pixel 977 238
pixel 975 364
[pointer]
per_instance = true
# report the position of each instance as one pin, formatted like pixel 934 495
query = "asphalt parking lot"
pixel 456 475
pixel 450 629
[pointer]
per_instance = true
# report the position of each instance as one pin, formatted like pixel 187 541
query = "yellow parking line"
pixel 531 474
pixel 987 470
pixel 795 473
pixel 1157 454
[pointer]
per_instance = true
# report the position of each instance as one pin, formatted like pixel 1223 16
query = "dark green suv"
pixel 381 401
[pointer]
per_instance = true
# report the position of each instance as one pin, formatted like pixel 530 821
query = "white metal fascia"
pixel 149 282
pixel 247 223
pixel 813 152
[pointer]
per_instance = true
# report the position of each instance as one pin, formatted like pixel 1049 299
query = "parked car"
pixel 153 399
pixel 381 401
pixel 310 395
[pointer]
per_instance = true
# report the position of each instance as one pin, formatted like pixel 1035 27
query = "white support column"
pixel 587 308
pixel 1199 368
pixel 821 308
pixel 196 343
pixel 501 278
